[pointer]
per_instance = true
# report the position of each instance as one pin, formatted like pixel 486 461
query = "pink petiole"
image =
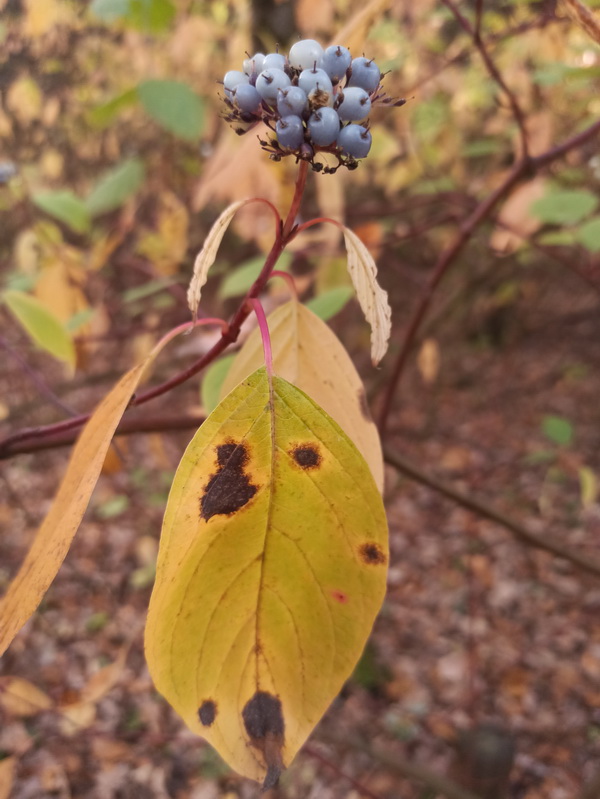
pixel 264 332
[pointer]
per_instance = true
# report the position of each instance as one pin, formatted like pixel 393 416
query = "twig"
pixel 478 17
pixel 548 543
pixel 522 169
pixel 127 427
pixel 310 750
pixel 584 16
pixel 40 383
pixel 12 444
pixel 493 70
pixel 405 768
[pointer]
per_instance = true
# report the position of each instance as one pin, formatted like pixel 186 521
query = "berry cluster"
pixel 314 101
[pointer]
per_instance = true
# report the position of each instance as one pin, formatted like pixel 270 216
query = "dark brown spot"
pixel 207 712
pixel 372 553
pixel 307 456
pixel 229 489
pixel 340 597
pixel 364 405
pixel 263 720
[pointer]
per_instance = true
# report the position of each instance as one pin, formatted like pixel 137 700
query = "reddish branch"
pixel 524 168
pixel 21 440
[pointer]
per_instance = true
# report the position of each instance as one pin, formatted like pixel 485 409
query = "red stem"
pixel 264 332
pixel 230 334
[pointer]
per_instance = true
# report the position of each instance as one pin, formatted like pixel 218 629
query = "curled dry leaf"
pixel 372 298
pixel 22 699
pixel 206 257
pixel 56 533
pixel 271 570
pixel 308 354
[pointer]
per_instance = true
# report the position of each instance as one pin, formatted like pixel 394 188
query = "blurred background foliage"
pixel 115 158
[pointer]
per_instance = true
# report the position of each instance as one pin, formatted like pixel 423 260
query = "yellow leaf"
pixel 307 353
pixel 41 325
pixel 372 298
pixel 428 360
pixel 21 698
pixel 24 98
pixel 55 534
pixel 7 773
pixel 58 286
pixel 206 257
pixel 588 486
pixel 167 246
pixel 271 570
pixel 42 17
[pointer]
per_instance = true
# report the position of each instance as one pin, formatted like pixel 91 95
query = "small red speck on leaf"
pixel 340 596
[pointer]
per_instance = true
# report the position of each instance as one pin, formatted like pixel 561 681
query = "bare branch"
pixel 522 169
pixel 405 768
pixel 493 70
pixel 582 560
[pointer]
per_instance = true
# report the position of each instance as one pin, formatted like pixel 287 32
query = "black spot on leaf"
pixel 307 456
pixel 207 712
pixel 372 553
pixel 263 720
pixel 229 489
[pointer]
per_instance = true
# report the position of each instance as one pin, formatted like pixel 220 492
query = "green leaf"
pixel 66 207
pixel 41 325
pixel 212 382
pixel 557 238
pixel 147 289
pixel 558 430
pixel 589 235
pixel 115 186
pixel 565 207
pixel 239 280
pixel 103 114
pixel 109 10
pixel 113 507
pixel 330 302
pixel 174 106
pixel 80 319
pixel 153 16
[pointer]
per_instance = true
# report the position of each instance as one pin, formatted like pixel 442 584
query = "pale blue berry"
pixel 336 60
pixel 365 74
pixel 276 60
pixel 246 98
pixel 269 82
pixel 254 64
pixel 355 141
pixel 355 104
pixel 305 54
pixel 292 101
pixel 290 132
pixel 310 79
pixel 324 126
pixel 232 79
